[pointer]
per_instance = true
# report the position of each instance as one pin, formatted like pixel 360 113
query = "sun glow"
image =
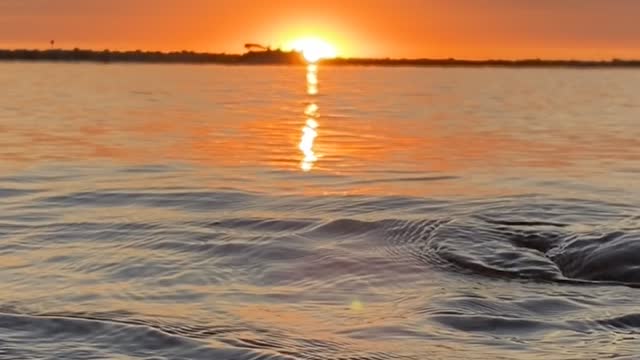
pixel 314 49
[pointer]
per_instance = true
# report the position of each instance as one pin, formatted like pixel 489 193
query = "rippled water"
pixel 211 212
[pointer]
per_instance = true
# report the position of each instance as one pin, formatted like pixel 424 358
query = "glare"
pixel 356 306
pixel 312 124
pixel 310 129
pixel 312 79
pixel 311 110
pixel 309 135
pixel 314 49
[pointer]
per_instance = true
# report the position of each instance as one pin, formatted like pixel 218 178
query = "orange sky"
pixel 395 28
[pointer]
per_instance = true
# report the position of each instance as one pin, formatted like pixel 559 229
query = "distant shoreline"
pixel 278 57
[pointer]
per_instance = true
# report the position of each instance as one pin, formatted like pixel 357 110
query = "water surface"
pixel 184 212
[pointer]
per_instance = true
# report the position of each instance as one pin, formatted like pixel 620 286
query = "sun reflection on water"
pixel 312 79
pixel 309 131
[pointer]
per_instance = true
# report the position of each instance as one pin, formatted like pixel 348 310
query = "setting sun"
pixel 314 49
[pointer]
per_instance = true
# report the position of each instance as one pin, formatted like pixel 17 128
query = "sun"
pixel 314 49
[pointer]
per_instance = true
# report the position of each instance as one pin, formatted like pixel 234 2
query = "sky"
pixel 472 29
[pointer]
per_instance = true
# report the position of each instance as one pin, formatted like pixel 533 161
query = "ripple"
pixel 441 223
pixel 8 193
pixel 535 250
pixel 404 180
pixel 495 325
pixel 192 200
pixel 58 335
pixel 315 266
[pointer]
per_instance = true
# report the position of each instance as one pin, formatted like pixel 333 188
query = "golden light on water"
pixel 309 131
pixel 312 79
pixel 311 110
pixel 309 134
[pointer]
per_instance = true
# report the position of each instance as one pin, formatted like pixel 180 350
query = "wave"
pixel 101 335
pixel 121 334
pixel 535 250
pixel 222 250
pixel 560 240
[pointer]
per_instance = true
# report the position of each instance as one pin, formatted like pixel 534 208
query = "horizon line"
pixel 277 55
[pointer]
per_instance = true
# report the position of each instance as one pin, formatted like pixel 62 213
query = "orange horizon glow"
pixel 464 29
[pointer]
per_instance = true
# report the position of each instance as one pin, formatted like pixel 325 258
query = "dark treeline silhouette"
pixel 279 57
pixel 480 63
pixel 252 57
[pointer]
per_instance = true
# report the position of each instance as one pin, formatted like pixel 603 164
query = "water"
pixel 185 212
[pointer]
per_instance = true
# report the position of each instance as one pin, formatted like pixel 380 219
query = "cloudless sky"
pixel 382 28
